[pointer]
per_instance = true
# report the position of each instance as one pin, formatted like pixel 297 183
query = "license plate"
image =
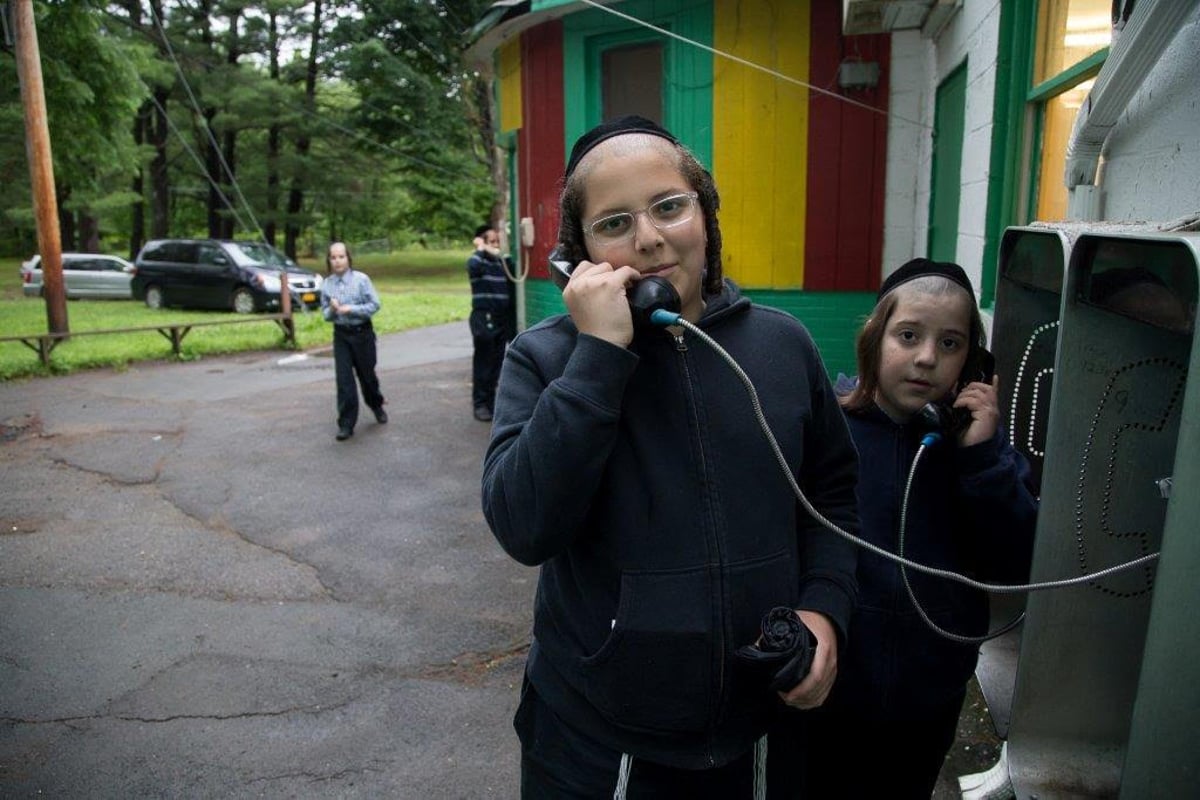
pixel 308 297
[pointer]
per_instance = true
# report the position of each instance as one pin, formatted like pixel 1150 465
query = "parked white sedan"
pixel 85 275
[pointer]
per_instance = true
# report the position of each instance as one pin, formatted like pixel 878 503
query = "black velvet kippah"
pixel 614 127
pixel 919 268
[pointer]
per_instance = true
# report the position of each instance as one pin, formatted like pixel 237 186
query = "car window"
pixel 155 251
pixel 262 253
pixel 181 252
pixel 212 255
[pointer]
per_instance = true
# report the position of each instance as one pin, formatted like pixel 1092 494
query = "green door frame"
pixel 945 186
pixel 687 71
pixel 598 45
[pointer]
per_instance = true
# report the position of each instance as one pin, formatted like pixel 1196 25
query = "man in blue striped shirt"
pixel 492 322
pixel 348 300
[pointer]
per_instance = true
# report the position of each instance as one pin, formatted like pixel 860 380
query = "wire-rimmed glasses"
pixel 665 213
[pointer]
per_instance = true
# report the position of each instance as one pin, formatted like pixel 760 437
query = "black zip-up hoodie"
pixel 642 484
pixel 971 510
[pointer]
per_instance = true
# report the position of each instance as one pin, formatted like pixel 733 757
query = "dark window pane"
pixel 632 81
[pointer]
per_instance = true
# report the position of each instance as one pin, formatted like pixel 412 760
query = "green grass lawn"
pixel 416 288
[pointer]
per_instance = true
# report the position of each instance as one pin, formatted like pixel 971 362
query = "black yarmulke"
pixel 919 268
pixel 614 127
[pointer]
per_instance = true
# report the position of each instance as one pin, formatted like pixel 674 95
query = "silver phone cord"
pixel 955 637
pixel 879 551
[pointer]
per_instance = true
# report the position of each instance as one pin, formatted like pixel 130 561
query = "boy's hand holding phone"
pixel 980 399
pixel 596 299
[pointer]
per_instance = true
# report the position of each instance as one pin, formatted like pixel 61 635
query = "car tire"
pixel 243 300
pixel 154 297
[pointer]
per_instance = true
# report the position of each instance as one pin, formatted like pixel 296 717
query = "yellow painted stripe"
pixel 508 66
pixel 760 139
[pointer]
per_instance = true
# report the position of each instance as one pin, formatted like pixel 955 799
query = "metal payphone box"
pixel 1119 423
pixel 1032 266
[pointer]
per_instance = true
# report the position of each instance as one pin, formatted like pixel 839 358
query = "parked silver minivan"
pixel 84 274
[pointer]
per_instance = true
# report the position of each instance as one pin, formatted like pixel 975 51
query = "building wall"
pixel 760 140
pixel 541 157
pixel 802 220
pixel 846 159
pixel 918 66
pixel 1151 162
pixel 907 187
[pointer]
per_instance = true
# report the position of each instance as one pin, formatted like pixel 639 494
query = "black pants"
pixel 354 354
pixel 490 333
pixel 561 763
pixel 852 756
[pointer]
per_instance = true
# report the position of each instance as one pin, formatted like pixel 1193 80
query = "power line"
pixel 200 163
pixel 212 139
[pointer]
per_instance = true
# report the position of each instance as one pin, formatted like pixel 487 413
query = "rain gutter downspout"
pixel 1150 28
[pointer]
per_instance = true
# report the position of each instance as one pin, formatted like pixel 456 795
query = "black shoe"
pixel 344 433
pixel 483 413
pixel 380 415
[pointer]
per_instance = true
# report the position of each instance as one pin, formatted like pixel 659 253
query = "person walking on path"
pixel 491 322
pixel 348 300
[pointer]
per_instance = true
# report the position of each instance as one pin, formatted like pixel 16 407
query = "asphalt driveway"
pixel 203 594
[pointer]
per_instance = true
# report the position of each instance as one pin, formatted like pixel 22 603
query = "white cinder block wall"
pixel 918 66
pixel 909 124
pixel 1150 170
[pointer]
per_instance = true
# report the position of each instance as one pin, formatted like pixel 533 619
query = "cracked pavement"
pixel 203 594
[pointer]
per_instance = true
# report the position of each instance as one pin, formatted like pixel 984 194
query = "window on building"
pixel 632 81
pixel 1072 41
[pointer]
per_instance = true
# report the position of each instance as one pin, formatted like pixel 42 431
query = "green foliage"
pixel 390 146
pixel 92 91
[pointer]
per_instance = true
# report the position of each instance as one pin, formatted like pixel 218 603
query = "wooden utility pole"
pixel 41 166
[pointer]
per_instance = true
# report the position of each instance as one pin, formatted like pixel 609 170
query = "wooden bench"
pixel 44 343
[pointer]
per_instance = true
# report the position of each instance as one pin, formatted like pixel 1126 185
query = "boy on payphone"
pixel 971 508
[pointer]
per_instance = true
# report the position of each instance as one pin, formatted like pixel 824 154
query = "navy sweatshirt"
pixel 642 484
pixel 971 510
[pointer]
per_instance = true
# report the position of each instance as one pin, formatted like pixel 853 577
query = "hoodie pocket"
pixel 655 671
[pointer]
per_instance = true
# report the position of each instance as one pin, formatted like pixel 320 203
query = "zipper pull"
pixel 680 344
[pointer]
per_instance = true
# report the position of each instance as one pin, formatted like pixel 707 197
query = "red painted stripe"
pixel 540 140
pixel 847 150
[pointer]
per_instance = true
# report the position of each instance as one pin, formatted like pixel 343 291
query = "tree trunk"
pixel 141 136
pixel 212 166
pixel 497 164
pixel 160 179
pixel 228 227
pixel 159 131
pixel 303 142
pixel 273 137
pixel 137 211
pixel 233 50
pixel 66 220
pixel 89 233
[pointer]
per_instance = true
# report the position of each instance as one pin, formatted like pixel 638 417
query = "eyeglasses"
pixel 666 213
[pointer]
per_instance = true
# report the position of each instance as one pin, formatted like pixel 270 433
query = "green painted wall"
pixel 542 299
pixel 833 318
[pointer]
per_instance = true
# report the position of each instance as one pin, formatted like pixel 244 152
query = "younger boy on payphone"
pixel 971 509
pixel 632 469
